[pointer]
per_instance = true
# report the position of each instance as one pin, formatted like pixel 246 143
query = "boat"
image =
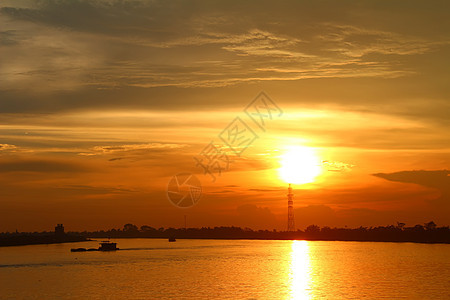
pixel 78 250
pixel 104 246
pixel 172 239
pixel 107 246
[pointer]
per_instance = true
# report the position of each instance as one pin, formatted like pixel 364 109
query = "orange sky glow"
pixel 97 114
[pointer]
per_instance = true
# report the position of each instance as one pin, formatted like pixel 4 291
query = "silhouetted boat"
pixel 108 246
pixel 78 250
pixel 172 239
pixel 104 246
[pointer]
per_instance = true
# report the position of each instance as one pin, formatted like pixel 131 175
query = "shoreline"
pixel 282 239
pixel 220 238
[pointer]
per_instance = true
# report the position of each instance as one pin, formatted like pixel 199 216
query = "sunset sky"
pixel 102 102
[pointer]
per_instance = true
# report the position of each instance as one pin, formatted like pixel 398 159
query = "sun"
pixel 299 165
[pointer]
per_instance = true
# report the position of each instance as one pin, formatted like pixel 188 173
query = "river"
pixel 227 269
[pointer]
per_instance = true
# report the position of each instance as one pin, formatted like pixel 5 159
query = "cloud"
pixel 40 166
pixel 262 43
pixel 115 55
pixel 436 179
pixel 320 215
pixel 123 83
pixel 323 215
pixel 132 148
pixel 7 147
pixel 265 190
pixel 222 192
pixel 357 42
pixel 8 37
pixel 250 215
pixel 112 44
pixel 88 189
pixel 337 166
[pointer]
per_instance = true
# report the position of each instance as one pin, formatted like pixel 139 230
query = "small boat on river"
pixel 108 246
pixel 104 246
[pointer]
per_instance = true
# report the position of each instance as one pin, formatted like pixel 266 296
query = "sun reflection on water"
pixel 300 271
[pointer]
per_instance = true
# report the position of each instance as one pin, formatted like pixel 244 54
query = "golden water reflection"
pixel 300 271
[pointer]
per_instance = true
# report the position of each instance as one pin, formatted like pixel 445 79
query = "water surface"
pixel 244 269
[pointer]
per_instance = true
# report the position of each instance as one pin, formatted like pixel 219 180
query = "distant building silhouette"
pixel 59 230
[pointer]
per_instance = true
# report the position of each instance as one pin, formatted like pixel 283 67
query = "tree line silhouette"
pixel 34 238
pixel 426 233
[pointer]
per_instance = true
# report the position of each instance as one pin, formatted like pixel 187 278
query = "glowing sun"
pixel 299 165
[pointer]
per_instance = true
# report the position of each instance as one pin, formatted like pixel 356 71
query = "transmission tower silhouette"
pixel 291 221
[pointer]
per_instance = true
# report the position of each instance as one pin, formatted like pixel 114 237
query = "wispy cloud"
pixel 99 150
pixel 7 147
pixel 337 166
pixel 131 44
pixel 40 166
pixel 356 42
